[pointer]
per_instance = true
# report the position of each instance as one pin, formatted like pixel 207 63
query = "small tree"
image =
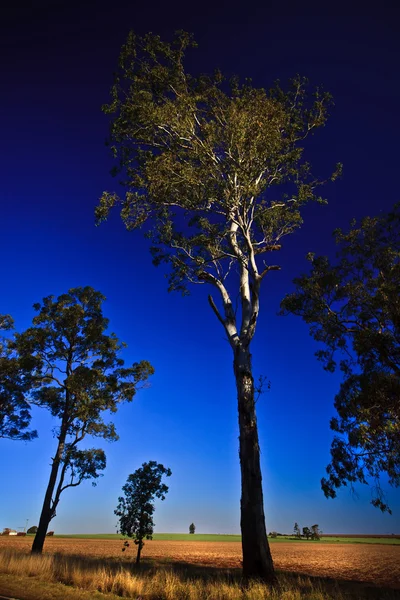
pixel 14 382
pixel 315 532
pixel 296 530
pixel 306 532
pixel 192 528
pixel 136 508
pixel 78 377
pixel 32 529
pixel 352 306
pixel 214 170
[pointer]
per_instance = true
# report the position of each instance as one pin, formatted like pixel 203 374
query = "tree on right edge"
pixel 352 305
pixel 214 172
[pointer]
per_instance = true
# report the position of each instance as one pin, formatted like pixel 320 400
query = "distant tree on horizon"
pixel 273 534
pixel 215 175
pixel 192 528
pixel 315 532
pixel 32 529
pixel 136 508
pixel 352 305
pixel 296 530
pixel 306 532
pixel 79 378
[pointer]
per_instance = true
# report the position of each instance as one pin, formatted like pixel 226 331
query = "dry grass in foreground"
pixel 371 564
pixel 171 582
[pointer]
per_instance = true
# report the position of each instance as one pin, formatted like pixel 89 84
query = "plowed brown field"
pixel 370 563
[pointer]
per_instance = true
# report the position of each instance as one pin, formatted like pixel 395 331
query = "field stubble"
pixel 371 564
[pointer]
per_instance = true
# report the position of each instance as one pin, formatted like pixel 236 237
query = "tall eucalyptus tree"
pixel 80 378
pixel 214 171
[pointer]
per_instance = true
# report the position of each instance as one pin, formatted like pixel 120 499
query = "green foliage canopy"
pixel 353 308
pixel 79 377
pixel 214 166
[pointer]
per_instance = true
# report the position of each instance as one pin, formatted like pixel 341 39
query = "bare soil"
pixel 369 563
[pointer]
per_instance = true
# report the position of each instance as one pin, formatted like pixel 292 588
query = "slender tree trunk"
pixel 139 550
pixel 257 559
pixel 47 509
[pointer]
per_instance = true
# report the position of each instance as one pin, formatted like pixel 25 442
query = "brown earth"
pixel 369 563
pixel 389 536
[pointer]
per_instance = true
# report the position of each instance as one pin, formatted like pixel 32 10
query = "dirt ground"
pixel 369 563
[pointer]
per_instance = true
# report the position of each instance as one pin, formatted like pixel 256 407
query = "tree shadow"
pixel 189 572
pixel 149 566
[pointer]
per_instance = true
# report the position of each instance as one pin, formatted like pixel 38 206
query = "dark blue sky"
pixel 56 66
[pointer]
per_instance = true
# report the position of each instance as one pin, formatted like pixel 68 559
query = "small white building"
pixel 8 531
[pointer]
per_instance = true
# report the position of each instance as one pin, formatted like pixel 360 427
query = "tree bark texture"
pixel 48 509
pixel 139 551
pixel 257 559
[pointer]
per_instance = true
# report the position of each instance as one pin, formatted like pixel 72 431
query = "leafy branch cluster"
pixel 79 376
pixel 214 164
pixel 15 381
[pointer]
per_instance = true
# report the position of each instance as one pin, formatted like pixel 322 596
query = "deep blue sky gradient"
pixel 56 64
